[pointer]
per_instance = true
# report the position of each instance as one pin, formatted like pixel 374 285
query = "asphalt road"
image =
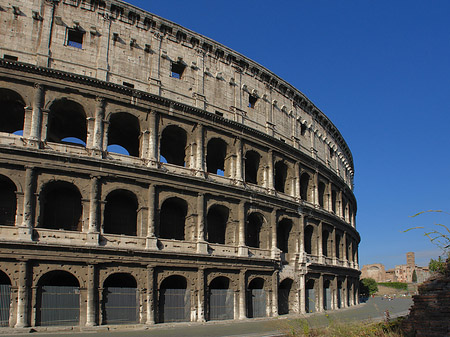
pixel 373 310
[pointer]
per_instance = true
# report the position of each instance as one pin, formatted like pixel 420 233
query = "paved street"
pixel 372 310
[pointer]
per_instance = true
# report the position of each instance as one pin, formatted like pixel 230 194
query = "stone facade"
pixel 230 184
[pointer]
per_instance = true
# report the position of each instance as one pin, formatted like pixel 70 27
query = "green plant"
pixel 368 286
pixel 414 276
pixel 395 285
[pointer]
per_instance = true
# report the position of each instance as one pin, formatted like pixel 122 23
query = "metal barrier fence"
pixel 327 299
pixel 310 301
pixel 283 301
pixel 5 303
pixel 221 304
pixel 59 305
pixel 174 305
pixel 256 303
pixel 120 305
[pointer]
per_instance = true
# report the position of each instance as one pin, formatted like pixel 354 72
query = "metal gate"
pixel 60 305
pixel 327 299
pixel 174 305
pixel 5 303
pixel 120 305
pixel 283 301
pixel 339 295
pixel 256 305
pixel 310 301
pixel 221 304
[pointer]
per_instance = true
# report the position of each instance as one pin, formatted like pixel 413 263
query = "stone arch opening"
pixel 326 243
pixel 58 299
pixel 67 123
pixel 256 299
pixel 254 226
pixel 338 245
pixel 252 161
pixel 280 176
pixel 8 201
pixel 308 241
pixel 120 215
pixel 333 200
pixel 174 300
pixel 321 191
pixel 5 299
pixel 124 133
pixel 216 222
pixel 172 219
pixel 305 187
pixel 284 296
pixel 12 112
pixel 220 299
pixel 216 156
pixel 120 303
pixel 284 240
pixel 310 296
pixel 61 207
pixel 173 145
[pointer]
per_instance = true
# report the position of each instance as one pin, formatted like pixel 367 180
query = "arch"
pixel 326 295
pixel 216 223
pixel 12 111
pixel 338 245
pixel 58 299
pixel 120 299
pixel 67 122
pixel 8 201
pixel 254 225
pixel 310 297
pixel 173 145
pixel 326 243
pixel 172 219
pixel 321 191
pixel 174 300
pixel 284 296
pixel 305 188
pixel 216 152
pixel 284 240
pixel 333 200
pixel 120 215
pixel 256 299
pixel 252 160
pixel 5 299
pixel 280 176
pixel 124 131
pixel 61 206
pixel 220 299
pixel 308 240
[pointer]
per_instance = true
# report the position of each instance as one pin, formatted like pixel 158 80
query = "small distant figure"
pixel 387 316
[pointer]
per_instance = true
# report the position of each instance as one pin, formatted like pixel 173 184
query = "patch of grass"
pixel 395 285
pixel 301 328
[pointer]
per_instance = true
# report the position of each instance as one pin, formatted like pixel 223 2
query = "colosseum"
pixel 149 174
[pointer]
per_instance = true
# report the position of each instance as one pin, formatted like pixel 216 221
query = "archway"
pixel 220 299
pixel 11 112
pixel 216 222
pixel 173 145
pixel 253 230
pixel 252 159
pixel 215 156
pixel 284 292
pixel 283 236
pixel 58 300
pixel 305 187
pixel 124 131
pixel 172 219
pixel 120 300
pixel 310 297
pixel 256 299
pixel 308 240
pixel 5 299
pixel 120 215
pixel 280 176
pixel 8 202
pixel 174 300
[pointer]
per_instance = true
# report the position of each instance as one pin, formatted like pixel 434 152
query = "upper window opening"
pixel 75 38
pixel 303 129
pixel 10 57
pixel 173 145
pixel 215 157
pixel 177 70
pixel 129 85
pixel 331 153
pixel 252 101
pixel 11 111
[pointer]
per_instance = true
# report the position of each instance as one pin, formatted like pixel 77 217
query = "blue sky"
pixel 380 70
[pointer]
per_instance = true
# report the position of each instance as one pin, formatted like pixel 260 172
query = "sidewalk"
pixel 264 327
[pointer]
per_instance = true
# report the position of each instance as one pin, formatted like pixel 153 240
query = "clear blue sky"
pixel 380 70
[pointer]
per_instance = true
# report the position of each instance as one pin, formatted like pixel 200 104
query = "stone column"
pixel 270 175
pixel 345 293
pixel 22 296
pixel 300 246
pixel 26 229
pixel 242 293
pixel 94 219
pixel 335 290
pixel 201 295
pixel 98 126
pixel 333 246
pixel 242 249
pixel 151 241
pixel 316 189
pixel 275 293
pixel 320 297
pixel 90 298
pixel 297 180
pixel 153 156
pixel 200 165
pixel 320 243
pixel 239 160
pixel 302 294
pixel 36 116
pixel 273 226
pixel 202 246
pixel 344 250
pixel 150 295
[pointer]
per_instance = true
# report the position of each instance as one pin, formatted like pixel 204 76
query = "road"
pixel 372 310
